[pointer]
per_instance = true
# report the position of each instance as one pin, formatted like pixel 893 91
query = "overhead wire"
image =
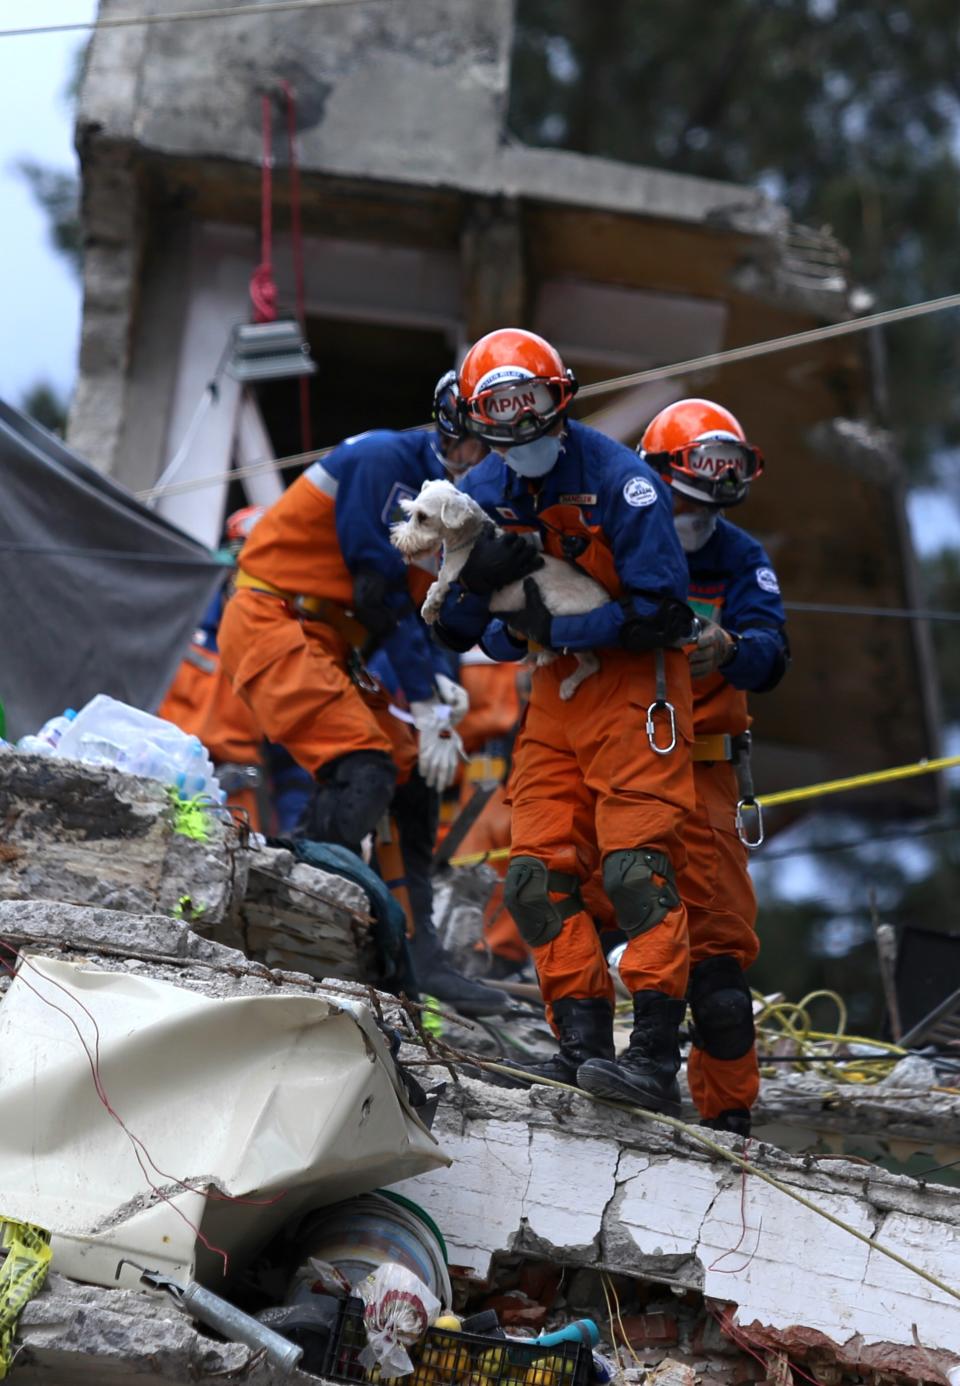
pixel 131 21
pixel 623 382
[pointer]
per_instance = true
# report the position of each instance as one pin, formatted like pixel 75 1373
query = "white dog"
pixel 443 516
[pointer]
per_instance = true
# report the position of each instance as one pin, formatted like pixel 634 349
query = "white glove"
pixel 440 746
pixel 456 698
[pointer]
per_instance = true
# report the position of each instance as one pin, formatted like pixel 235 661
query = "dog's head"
pixel 439 515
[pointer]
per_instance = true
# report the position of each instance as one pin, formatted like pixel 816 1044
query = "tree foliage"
pixel 44 404
pixel 58 194
pixel 844 110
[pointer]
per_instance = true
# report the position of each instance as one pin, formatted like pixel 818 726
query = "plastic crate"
pixel 445 1358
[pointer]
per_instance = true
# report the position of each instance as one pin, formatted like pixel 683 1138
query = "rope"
pixel 774 344
pixel 130 21
pixel 786 796
pixel 905 613
pixel 263 288
pixel 898 772
pixel 697 1135
pixel 719 358
pixel 296 235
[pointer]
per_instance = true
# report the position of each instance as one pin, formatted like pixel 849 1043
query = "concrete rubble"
pixel 550 1198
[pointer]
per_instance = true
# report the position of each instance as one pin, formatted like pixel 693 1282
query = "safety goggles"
pixel 718 470
pixel 517 411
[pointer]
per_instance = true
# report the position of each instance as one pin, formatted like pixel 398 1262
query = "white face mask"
pixel 534 459
pixel 694 528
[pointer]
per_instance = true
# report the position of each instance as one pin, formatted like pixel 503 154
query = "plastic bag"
pixel 398 1310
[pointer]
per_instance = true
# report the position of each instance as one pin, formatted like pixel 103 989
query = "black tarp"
pixel 97 594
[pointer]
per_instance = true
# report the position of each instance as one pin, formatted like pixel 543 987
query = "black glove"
pixel 370 603
pixel 496 560
pixel 533 619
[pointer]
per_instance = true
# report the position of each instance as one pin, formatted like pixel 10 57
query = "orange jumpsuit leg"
pixel 586 783
pixel 293 675
pixel 722 909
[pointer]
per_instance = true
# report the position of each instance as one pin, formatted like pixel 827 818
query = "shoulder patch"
pixel 638 491
pixel 767 579
pixel 392 513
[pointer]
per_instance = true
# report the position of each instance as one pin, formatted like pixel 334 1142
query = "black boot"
pixel 586 1032
pixel 646 1073
pixel 415 809
pixel 733 1119
pixel 352 795
pixel 437 977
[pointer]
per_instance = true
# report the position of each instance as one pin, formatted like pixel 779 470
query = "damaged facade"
pixel 427 224
pixel 548 1201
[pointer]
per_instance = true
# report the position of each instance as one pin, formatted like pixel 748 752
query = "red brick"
pixel 650 1330
pixel 540 1280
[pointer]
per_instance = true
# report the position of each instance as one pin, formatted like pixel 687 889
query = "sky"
pixel 39 293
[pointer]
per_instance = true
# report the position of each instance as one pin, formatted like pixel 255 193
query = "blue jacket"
pixel 732 582
pixel 373 472
pixel 600 504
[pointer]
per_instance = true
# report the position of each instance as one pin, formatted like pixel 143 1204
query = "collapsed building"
pixel 219 1002
pixel 231 1002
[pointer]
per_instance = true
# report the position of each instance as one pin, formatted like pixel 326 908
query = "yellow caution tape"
pixel 788 796
pixel 22 1272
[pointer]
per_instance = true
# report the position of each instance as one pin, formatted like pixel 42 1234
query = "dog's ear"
pixel 453 513
pixel 407 505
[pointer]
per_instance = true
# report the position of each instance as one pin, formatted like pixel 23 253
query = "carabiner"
pixel 661 704
pixel 360 674
pixel 750 804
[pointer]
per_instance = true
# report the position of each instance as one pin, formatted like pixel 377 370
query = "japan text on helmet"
pixel 701 450
pixel 513 387
pixel 240 524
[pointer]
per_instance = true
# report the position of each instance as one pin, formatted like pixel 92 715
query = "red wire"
pixel 743 1225
pixel 296 230
pixel 738 1336
pixel 263 289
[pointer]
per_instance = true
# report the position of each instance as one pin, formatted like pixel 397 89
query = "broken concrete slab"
pixel 586 1185
pixel 306 920
pixel 85 1333
pixel 93 836
pixel 287 1085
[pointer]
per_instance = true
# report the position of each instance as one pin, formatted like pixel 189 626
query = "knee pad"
pixel 722 1008
pixel 641 886
pixel 353 793
pixel 526 894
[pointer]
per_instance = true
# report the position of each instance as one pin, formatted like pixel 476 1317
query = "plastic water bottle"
pixel 47 739
pixel 98 750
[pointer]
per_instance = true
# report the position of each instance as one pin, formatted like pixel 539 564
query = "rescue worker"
pixel 319 582
pixel 604 778
pixel 701 450
pixel 202 703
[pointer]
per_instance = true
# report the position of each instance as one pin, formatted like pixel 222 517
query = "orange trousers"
pixel 722 912
pixel 716 889
pixel 201 702
pixel 586 783
pixel 294 676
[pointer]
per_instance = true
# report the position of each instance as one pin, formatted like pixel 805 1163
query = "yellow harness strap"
pixel 311 608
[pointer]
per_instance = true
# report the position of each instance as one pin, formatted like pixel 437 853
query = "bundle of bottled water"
pixel 109 732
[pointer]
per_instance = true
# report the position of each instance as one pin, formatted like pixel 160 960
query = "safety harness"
pixel 307 608
pixel 736 750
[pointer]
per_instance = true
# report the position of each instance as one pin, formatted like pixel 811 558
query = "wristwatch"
pixel 733 651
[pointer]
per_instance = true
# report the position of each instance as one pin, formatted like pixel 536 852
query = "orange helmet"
pixel 513 387
pixel 240 523
pixel 701 449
